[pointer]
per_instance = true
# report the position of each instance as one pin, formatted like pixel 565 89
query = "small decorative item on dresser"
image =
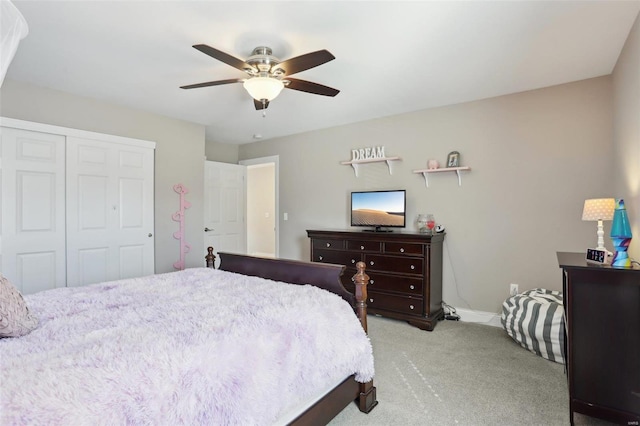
pixel 620 235
pixel 422 223
pixel 453 159
pixel 432 164
pixel 426 223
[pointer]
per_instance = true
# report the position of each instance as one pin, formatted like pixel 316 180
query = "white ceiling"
pixel 391 57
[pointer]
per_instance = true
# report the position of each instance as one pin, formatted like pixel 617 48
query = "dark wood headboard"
pixel 322 275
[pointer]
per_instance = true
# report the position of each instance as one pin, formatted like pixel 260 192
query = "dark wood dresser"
pixel 602 314
pixel 405 270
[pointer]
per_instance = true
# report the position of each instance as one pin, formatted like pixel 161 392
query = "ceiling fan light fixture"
pixel 263 87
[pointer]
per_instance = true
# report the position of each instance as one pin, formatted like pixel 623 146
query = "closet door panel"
pixel 135 219
pixel 33 221
pixel 92 266
pixel 36 271
pixel 132 261
pixel 110 218
pixel 132 200
pixel 92 196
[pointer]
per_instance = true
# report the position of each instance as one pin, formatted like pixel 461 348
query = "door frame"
pixel 275 159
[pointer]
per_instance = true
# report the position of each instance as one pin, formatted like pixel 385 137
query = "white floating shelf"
pixel 425 172
pixel 356 163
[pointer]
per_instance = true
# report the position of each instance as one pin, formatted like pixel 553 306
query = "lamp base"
pixel 621 257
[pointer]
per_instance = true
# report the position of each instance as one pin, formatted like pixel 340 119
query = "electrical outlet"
pixel 513 289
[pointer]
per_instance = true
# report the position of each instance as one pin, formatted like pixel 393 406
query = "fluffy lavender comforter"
pixel 199 346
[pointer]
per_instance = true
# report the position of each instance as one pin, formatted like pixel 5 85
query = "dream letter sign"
pixel 367 153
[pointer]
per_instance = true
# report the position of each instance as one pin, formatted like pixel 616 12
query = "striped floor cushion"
pixel 535 319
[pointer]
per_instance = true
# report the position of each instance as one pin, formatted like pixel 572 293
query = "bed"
pixel 187 347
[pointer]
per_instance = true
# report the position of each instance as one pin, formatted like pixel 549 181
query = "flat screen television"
pixel 379 209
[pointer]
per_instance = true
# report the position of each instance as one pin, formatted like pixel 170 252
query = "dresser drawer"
pixel 329 244
pixel 403 248
pixel 355 245
pixel 404 265
pixel 338 257
pixel 390 302
pixel 385 283
pixel 400 284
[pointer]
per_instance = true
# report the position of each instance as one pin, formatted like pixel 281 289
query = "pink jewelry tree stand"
pixel 179 217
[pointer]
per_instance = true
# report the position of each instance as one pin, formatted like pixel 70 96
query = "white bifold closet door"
pixel 75 210
pixel 109 211
pixel 33 209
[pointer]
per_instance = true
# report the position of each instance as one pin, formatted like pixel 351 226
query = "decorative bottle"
pixel 620 235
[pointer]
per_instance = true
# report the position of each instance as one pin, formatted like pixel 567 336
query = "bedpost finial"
pixel 210 258
pixel 361 279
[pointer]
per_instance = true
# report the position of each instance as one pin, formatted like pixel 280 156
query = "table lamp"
pixel 599 209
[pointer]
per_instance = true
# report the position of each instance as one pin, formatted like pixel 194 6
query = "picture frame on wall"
pixel 453 159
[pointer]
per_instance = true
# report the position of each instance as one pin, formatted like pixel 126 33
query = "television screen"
pixel 378 209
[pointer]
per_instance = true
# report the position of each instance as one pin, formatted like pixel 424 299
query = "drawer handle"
pixel 319 257
pixel 353 261
pixel 411 287
pixel 401 250
pixel 361 247
pixel 371 282
pixel 371 263
pixel 371 300
pixel 411 307
pixel 328 244
pixel 413 267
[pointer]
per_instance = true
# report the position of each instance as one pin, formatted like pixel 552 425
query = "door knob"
pixel 208 229
pixel 150 235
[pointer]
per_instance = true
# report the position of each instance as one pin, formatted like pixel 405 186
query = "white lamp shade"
pixel 598 209
pixel 263 87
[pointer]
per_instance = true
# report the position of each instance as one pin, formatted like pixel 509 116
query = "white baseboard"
pixel 480 317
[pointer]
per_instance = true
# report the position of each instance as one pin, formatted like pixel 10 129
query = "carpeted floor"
pixel 461 373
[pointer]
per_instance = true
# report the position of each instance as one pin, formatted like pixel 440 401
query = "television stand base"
pixel 377 229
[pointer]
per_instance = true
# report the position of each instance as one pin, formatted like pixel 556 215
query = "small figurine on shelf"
pixel 433 164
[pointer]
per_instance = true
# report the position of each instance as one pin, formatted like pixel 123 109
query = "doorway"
pixel 262 215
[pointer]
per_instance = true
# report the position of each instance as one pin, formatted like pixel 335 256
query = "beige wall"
pixel 626 131
pixel 535 157
pixel 221 152
pixel 179 155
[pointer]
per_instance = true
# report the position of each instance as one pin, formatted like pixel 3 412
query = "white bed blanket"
pixel 198 346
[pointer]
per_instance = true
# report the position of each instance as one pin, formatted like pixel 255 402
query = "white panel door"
pixel 33 209
pixel 109 211
pixel 224 205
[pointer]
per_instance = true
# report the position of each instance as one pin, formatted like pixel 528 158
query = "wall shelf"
pixel 457 170
pixel 356 163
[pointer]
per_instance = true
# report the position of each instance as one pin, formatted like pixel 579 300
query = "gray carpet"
pixel 461 373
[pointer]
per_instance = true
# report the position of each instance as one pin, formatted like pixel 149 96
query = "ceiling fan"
pixel 268 75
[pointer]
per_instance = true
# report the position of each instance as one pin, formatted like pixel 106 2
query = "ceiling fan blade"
pixel 213 83
pixel 304 62
pixel 223 57
pixel 309 87
pixel 259 106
